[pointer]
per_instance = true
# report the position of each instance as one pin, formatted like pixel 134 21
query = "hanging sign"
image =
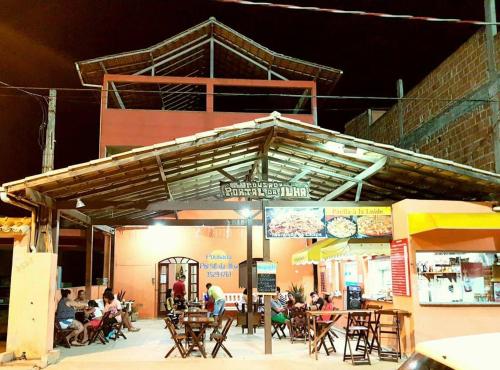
pixel 265 190
pixel 400 268
pixel 266 277
pixel 295 222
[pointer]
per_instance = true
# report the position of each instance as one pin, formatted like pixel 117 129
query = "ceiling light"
pixel 79 203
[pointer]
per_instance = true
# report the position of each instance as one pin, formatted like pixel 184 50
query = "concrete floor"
pixel 146 350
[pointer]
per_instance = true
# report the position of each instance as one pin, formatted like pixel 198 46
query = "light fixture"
pixel 79 203
pixel 245 212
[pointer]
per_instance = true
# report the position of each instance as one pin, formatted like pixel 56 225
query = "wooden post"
pixel 89 249
pixel 50 134
pixel 106 273
pixel 266 255
pixel 249 277
pixel 56 219
pixel 210 97
pixel 400 92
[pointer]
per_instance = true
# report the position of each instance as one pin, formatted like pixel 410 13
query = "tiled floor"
pixel 147 348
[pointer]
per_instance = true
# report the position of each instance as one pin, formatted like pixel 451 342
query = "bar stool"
pixel 357 329
pixel 388 324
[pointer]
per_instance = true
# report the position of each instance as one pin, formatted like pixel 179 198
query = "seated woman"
pixel 170 308
pixel 65 315
pixel 278 312
pixel 327 306
pixel 125 317
pixel 292 302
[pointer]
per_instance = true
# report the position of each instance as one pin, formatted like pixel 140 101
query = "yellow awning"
pixel 421 222
pixel 309 255
pixel 342 248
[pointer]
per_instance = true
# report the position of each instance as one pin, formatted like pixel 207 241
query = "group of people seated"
pixel 283 304
pixel 82 315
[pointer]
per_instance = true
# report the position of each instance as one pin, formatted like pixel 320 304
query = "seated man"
pixel 316 302
pixel 278 312
pixel 65 315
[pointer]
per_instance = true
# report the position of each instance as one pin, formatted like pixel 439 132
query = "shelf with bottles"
pixel 450 275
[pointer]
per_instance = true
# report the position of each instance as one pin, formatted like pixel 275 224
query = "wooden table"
pixel 336 315
pixel 200 323
pixel 196 312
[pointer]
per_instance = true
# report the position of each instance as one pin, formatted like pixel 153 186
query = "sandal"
pixel 77 344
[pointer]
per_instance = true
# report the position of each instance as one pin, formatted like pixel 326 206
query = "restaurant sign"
pixel 330 222
pixel 265 190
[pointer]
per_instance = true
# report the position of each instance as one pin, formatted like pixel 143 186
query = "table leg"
pixel 308 319
pixel 315 343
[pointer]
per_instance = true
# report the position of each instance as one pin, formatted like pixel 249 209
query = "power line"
pixel 229 94
pixel 363 13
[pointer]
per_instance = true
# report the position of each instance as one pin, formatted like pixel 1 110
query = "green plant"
pixel 298 292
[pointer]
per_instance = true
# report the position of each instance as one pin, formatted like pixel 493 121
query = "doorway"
pixel 169 270
pixel 6 251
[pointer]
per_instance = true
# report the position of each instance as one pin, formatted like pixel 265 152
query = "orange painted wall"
pixel 135 127
pixel 138 251
pixel 435 322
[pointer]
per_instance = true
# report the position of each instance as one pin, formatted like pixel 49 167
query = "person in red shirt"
pixel 179 288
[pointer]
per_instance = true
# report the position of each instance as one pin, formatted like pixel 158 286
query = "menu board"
pixel 266 277
pixel 295 222
pixel 331 222
pixel 400 268
pixel 265 190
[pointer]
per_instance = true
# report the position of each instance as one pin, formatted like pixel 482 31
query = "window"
pixel 458 278
pixel 379 280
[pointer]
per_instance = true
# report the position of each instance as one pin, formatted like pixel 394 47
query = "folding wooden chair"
pixel 217 324
pixel 177 338
pixel 60 335
pixel 277 328
pixel 357 329
pixel 325 333
pixel 221 337
pixel 118 326
pixel 388 325
pixel 298 324
pixel 98 332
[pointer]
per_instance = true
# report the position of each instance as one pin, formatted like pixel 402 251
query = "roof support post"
pixel 358 191
pixel 89 250
pixel 374 168
pixel 249 277
pixel 314 104
pixel 212 56
pixel 210 97
pixel 113 86
pixel 50 135
pixel 400 92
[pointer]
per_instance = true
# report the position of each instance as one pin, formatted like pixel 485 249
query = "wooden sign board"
pixel 265 190
pixel 266 278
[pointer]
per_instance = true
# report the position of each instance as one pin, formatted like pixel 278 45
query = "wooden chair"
pixel 387 324
pixel 98 332
pixel 277 328
pixel 216 325
pixel 60 335
pixel 220 338
pixel 357 329
pixel 120 295
pixel 372 333
pixel 242 321
pixel 177 338
pixel 117 327
pixel 298 324
pixel 323 325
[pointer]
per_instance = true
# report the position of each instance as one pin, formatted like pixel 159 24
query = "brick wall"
pixel 467 139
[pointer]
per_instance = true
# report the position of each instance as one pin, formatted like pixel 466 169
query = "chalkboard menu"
pixel 266 278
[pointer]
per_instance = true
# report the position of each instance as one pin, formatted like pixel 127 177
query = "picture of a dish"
pixel 380 225
pixel 341 227
pixel 296 223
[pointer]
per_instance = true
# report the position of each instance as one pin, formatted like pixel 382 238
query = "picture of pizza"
pixel 341 227
pixel 380 225
pixel 296 222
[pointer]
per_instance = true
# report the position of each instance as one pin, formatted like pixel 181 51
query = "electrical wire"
pixel 362 13
pixel 332 97
pixel 43 103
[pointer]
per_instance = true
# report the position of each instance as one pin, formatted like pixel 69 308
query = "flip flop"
pixel 77 344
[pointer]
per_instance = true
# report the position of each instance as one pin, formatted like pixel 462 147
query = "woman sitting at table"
pixel 278 312
pixel 65 315
pixel 328 306
pixel 292 302
pixel 171 309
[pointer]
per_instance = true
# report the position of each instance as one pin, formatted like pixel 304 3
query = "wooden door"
pixel 163 284
pixel 194 279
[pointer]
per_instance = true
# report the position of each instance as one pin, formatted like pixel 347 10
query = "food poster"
pixel 295 222
pixel 358 222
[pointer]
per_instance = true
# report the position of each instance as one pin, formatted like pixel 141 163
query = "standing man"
pixel 179 290
pixel 216 294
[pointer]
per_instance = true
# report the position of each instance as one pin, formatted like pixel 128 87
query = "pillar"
pixel 32 302
pixel 107 258
pixel 89 250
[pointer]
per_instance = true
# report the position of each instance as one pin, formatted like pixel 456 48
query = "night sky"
pixel 41 40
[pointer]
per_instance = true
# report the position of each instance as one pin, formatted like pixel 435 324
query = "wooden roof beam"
pixel 377 166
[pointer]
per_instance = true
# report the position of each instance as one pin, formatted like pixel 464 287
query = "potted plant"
pixel 134 312
pixel 298 293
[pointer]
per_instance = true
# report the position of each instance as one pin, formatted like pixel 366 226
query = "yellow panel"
pixel 421 222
